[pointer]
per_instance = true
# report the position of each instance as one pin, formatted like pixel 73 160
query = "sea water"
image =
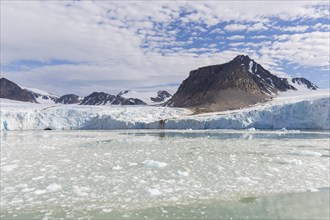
pixel 159 174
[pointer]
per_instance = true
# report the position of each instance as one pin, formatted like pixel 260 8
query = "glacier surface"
pixel 290 110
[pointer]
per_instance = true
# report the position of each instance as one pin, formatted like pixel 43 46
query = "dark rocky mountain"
pixel 119 100
pixel 98 98
pixel 69 99
pixel 161 96
pixel 233 85
pixel 101 98
pixel 10 90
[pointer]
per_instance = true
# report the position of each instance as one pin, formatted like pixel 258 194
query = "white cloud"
pixel 236 37
pixel 300 28
pixel 245 27
pixel 260 37
pixel 322 27
pixel 235 27
pixel 305 49
pixel 122 42
pixel 257 27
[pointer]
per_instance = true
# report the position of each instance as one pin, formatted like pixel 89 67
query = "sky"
pixel 85 46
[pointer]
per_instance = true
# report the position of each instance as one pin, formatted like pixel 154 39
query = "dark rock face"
pixel 305 82
pixel 98 98
pixel 101 98
pixel 267 82
pixel 233 85
pixel 10 90
pixel 161 96
pixel 123 92
pixel 69 99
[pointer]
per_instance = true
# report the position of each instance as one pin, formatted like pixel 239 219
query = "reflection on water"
pixel 304 205
pixel 225 134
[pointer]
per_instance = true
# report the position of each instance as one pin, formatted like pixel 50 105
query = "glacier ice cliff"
pixel 297 114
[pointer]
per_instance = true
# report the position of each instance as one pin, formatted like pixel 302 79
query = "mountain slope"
pixel 233 85
pixel 41 96
pixel 10 90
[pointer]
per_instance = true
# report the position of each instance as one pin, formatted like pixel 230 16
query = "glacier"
pixel 290 110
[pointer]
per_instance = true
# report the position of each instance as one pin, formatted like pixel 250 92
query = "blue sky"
pixel 85 46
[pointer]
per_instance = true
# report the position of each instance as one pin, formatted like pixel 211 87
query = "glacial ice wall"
pixel 312 114
pixel 307 114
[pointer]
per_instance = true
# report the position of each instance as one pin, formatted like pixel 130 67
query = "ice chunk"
pixel 27 189
pixel 117 167
pixel 313 190
pixel 273 169
pixel 289 161
pixel 154 192
pixel 54 187
pixel 38 178
pixel 8 168
pixel 154 164
pixel 132 164
pixel 183 173
pixel 81 191
pixel 40 191
pixel 251 129
pixel 244 179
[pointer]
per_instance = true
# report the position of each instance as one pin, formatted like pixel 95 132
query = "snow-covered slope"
pixel 292 110
pixel 42 96
pixel 147 97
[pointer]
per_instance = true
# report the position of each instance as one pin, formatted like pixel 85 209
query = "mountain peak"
pixel 239 83
pixel 243 58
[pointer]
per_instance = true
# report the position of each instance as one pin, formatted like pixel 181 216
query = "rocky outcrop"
pixel 101 98
pixel 98 98
pixel 161 96
pixel 69 99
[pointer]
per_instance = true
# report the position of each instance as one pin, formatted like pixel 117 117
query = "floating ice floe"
pixel 154 164
pixel 183 173
pixel 117 167
pixel 154 192
pixel 54 187
pixel 289 161
pixel 8 168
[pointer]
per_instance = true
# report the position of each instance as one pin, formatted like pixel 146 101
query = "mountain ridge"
pixel 10 90
pixel 238 83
